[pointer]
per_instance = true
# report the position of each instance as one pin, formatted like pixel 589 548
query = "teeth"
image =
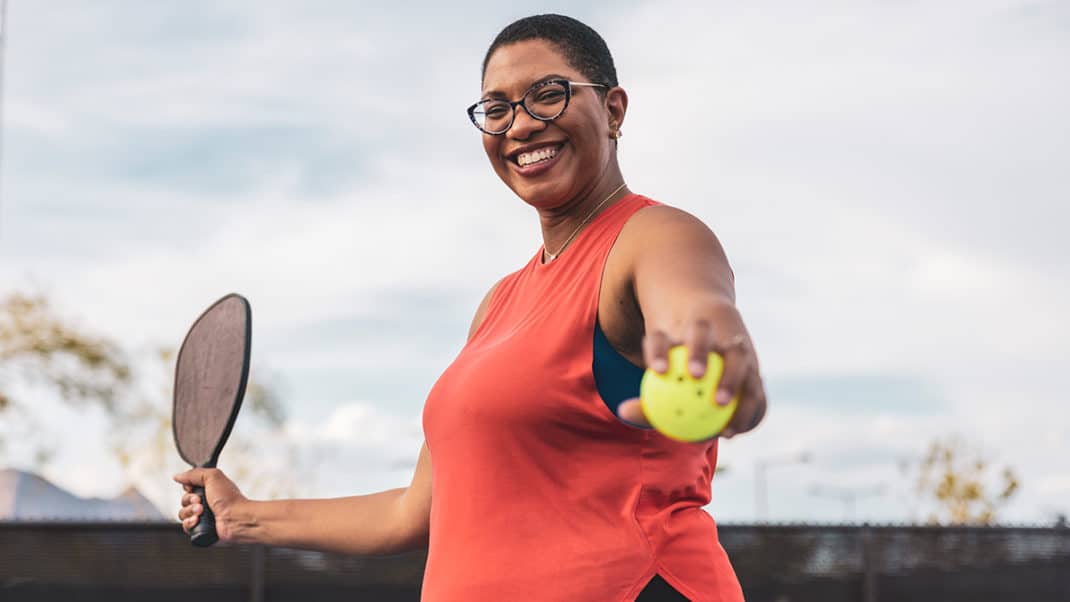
pixel 543 154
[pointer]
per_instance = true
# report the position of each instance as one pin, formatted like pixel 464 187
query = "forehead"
pixel 514 67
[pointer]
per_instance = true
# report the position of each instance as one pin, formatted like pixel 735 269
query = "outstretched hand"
pixel 741 375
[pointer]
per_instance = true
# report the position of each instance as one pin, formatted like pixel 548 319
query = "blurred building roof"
pixel 29 497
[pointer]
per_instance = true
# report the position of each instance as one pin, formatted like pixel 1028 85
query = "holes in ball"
pixel 679 412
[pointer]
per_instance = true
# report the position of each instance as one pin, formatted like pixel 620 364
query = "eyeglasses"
pixel 544 101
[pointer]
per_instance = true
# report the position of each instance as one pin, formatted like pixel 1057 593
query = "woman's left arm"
pixel 686 293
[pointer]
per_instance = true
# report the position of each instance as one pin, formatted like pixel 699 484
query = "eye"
pixel 550 95
pixel 496 110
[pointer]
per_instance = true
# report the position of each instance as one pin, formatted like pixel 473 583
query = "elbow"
pixel 413 522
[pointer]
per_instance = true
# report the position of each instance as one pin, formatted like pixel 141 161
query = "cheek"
pixel 492 145
pixel 590 145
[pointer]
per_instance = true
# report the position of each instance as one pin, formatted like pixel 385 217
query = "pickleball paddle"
pixel 210 377
pixel 681 406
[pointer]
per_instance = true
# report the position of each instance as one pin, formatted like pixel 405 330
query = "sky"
pixel 889 180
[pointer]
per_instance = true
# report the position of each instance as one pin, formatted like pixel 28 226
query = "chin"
pixel 542 195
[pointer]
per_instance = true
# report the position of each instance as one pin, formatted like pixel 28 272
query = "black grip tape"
pixel 203 533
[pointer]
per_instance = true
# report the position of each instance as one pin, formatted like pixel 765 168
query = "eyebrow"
pixel 500 94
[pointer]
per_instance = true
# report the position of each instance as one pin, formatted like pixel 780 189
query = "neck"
pixel 562 225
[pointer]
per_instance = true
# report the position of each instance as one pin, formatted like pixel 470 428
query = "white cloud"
pixel 360 447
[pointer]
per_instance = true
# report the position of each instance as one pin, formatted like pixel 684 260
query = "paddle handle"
pixel 203 533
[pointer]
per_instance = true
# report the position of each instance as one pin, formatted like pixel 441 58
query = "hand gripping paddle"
pixel 210 377
pixel 681 406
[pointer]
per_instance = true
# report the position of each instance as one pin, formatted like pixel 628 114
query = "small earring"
pixel 616 134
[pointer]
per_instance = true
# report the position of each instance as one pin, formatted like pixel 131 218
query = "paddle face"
pixel 210 378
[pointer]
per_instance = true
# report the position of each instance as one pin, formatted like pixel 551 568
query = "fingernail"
pixel 659 365
pixel 724 397
pixel 196 508
pixel 728 433
pixel 697 368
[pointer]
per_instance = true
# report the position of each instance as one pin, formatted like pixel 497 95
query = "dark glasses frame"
pixel 514 103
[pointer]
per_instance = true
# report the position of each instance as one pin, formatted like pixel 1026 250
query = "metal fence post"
pixel 256 577
pixel 869 568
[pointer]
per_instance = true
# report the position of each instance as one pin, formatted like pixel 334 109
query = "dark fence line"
pixel 775 563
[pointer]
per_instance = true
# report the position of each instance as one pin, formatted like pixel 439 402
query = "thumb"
pixel 631 412
pixel 195 477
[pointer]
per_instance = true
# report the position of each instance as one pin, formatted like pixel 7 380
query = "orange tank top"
pixel 539 492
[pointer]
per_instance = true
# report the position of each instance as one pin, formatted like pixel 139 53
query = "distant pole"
pixel 761 467
pixel 847 496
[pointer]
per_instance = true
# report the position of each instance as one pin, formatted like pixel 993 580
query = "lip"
pixel 535 169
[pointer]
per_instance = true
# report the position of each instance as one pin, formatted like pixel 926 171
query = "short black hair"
pixel 583 48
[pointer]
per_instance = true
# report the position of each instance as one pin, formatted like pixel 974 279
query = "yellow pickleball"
pixel 681 406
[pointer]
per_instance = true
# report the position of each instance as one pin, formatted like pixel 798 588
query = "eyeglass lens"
pixel 542 102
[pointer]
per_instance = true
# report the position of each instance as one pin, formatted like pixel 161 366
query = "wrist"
pixel 246 522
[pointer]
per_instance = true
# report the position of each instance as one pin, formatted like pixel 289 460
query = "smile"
pixel 536 161
pixel 534 153
pixel 542 154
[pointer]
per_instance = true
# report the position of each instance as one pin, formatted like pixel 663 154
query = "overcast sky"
pixel 889 179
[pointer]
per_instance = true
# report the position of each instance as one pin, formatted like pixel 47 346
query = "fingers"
pixel 740 378
pixel 190 511
pixel 191 508
pixel 737 365
pixel 656 351
pixel 697 339
pixel 190 522
pixel 751 409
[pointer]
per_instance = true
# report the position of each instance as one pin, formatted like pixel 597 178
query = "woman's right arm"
pixel 377 524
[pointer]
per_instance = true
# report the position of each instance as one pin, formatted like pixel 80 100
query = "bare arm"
pixel 383 523
pixel 686 293
pixel 360 524
pixel 379 524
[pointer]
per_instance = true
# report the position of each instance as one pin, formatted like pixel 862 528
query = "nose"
pixel 524 125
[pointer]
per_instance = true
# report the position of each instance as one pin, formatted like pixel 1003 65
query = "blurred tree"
pixel 964 487
pixel 38 348
pixel 256 452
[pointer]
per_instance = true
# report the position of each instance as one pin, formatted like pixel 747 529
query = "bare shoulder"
pixel 481 311
pixel 648 231
pixel 662 228
pixel 663 221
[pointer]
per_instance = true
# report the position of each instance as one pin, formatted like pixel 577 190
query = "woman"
pixel 548 482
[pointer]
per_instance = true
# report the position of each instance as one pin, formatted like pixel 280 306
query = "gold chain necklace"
pixel 553 256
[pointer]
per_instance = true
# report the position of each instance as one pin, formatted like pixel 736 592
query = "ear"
pixel 617 103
